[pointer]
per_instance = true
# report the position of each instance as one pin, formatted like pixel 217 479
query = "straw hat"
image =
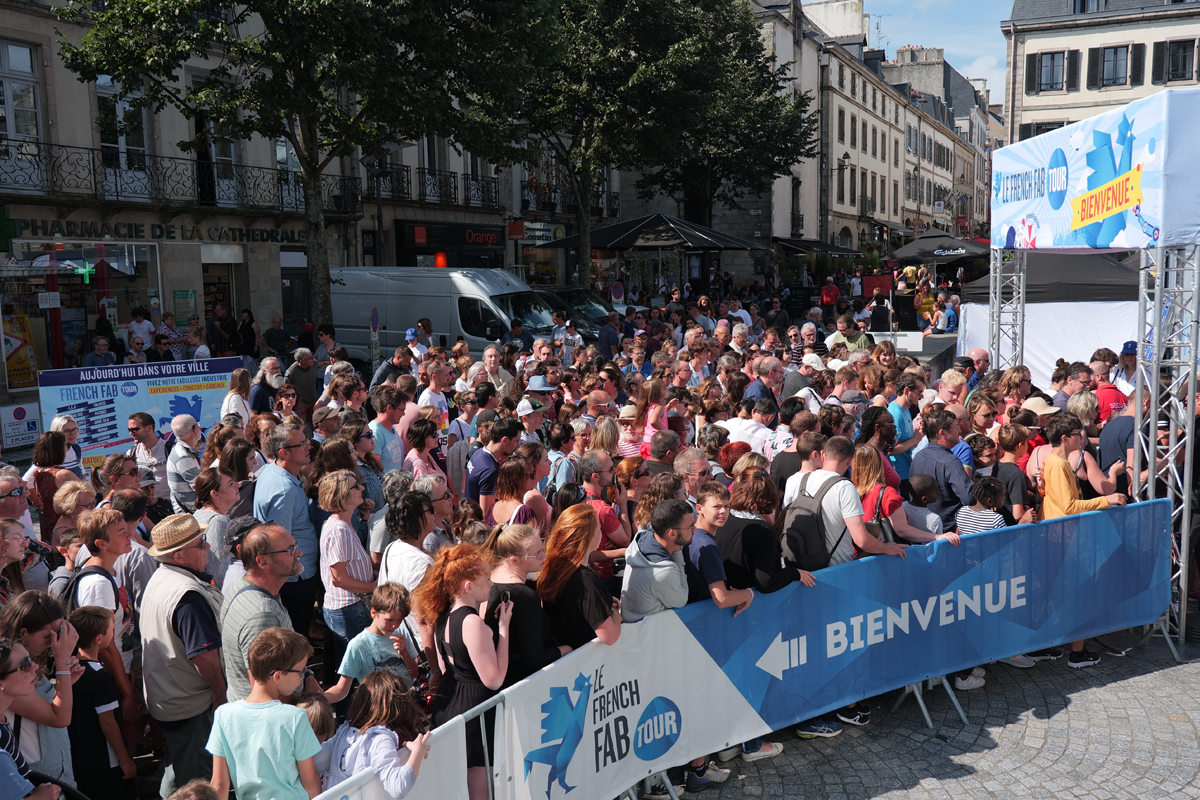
pixel 174 533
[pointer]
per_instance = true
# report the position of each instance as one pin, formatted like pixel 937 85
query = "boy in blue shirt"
pixel 387 643
pixel 261 747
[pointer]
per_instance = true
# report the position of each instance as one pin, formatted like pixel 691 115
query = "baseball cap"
pixel 323 413
pixel 813 361
pixel 569 324
pixel 147 477
pixel 410 334
pixel 529 406
pixel 1129 349
pixel 853 397
pixel 639 332
pixel 1039 406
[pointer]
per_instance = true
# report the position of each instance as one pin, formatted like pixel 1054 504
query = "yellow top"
pixel 1062 491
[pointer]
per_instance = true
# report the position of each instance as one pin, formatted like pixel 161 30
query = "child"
pixel 194 790
pixel 320 715
pixel 380 646
pixel 69 543
pixel 989 496
pixel 108 773
pixel 384 725
pixel 924 491
pixel 1018 508
pixel 265 749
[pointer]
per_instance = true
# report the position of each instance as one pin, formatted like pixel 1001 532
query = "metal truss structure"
pixel 1006 308
pixel 1169 313
pixel 1169 310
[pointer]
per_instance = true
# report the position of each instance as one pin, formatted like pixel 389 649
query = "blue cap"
pixel 1129 349
pixel 410 334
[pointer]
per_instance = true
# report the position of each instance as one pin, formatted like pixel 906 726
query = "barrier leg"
pixel 953 698
pixel 915 690
pixel 1166 634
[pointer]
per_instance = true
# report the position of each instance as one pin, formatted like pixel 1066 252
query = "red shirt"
pixel 609 522
pixel 829 294
pixel 1112 401
pixel 891 501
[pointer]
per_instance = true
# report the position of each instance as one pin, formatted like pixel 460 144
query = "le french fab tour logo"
pixel 129 388
pixel 602 714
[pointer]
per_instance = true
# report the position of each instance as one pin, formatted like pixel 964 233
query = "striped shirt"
pixel 341 545
pixel 183 465
pixel 969 521
pixel 244 615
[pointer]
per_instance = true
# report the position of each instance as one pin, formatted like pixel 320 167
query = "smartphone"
pixel 505 596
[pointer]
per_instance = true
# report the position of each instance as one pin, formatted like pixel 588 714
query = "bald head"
pixel 598 401
pixel 981 358
pixel 964 418
pixel 1099 372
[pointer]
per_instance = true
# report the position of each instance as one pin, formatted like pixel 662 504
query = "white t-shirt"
pixel 438 400
pixel 418 350
pixel 234 403
pixel 856 286
pixel 750 431
pixel 841 502
pixel 406 565
pixel 569 343
pixel 202 352
pixel 143 330
pixel 741 314
pixel 95 590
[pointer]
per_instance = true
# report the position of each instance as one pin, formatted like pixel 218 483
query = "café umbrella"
pixel 936 246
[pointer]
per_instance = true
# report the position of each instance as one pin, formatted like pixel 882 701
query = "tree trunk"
pixel 317 248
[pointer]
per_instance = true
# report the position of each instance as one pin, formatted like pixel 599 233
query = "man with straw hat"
pixel 181 647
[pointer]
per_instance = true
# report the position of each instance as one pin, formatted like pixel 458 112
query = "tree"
pixel 751 130
pixel 628 77
pixel 327 76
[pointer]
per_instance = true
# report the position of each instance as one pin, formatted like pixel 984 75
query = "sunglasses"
pixel 367 435
pixel 289 551
pixel 641 473
pixel 17 492
pixel 287 396
pixel 26 665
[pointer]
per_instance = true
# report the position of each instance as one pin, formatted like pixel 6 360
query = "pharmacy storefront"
pixel 63 280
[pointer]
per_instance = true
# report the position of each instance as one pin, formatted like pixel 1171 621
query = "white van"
pixel 476 304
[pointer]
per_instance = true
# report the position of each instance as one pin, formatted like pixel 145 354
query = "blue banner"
pixel 874 625
pixel 102 398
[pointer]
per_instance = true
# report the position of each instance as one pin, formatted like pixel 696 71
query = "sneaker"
pixel 659 792
pixel 712 776
pixel 729 753
pixel 859 714
pixel 1019 661
pixel 819 728
pixel 978 672
pixel 968 683
pixel 1082 659
pixel 768 750
pixel 1049 654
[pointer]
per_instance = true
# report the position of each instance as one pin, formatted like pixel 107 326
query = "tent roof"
pixel 658 231
pixel 1057 277
pixel 937 245
pixel 816 246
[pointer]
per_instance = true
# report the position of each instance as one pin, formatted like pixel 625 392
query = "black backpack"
pixel 68 598
pixel 804 544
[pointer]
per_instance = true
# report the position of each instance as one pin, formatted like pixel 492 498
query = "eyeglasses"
pixel 446 496
pixel 701 473
pixel 304 673
pixel 290 446
pixel 17 492
pixel 70 430
pixel 25 665
pixel 200 545
pixel 24 537
pixel 289 551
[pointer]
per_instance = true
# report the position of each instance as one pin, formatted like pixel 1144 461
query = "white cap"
pixel 814 361
pixel 527 407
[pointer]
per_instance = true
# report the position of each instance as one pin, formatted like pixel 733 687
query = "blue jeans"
pixel 347 622
pixel 752 746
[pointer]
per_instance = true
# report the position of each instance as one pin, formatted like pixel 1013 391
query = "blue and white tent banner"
pixel 1122 180
pixel 102 398
pixel 682 684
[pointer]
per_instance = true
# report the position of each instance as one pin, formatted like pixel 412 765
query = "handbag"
pixel 880 526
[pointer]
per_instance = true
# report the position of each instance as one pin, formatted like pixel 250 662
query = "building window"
pixel 874 98
pixel 842 76
pixel 122 129
pixel 895 197
pixel 853 185
pixel 1052 72
pixel 841 124
pixel 1085 6
pixel 864 136
pixel 896 153
pixel 853 84
pixel 853 131
pixel 841 192
pixel 1181 60
pixel 874 142
pixel 1115 66
pixel 19 119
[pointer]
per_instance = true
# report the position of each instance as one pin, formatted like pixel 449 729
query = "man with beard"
pixel 270 556
pixel 267 383
pixel 400 362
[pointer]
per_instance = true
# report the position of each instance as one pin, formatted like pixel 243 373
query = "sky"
pixel 969 30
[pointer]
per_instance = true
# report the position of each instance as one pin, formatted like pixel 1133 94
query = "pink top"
pixel 417 466
pixel 341 545
pixel 650 429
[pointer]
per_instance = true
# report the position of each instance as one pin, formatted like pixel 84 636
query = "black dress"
pixel 530 643
pixel 461 689
pixel 247 342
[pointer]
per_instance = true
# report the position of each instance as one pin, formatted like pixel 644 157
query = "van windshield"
pixel 531 308
pixel 587 303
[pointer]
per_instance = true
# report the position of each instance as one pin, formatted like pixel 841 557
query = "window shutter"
pixel 1026 131
pixel 1072 70
pixel 1158 67
pixel 1093 73
pixel 1031 73
pixel 1137 65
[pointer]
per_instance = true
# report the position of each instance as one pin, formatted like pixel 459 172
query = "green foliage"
pixel 750 129
pixel 327 76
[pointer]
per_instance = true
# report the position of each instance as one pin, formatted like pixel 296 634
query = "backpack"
pixel 804 544
pixel 68 596
pixel 551 487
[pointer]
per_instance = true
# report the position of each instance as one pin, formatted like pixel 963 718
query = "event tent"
pixel 656 232
pixel 1076 302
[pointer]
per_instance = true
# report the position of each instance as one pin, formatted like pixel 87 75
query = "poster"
pixel 20 360
pixel 185 305
pixel 102 398
pixel 1121 180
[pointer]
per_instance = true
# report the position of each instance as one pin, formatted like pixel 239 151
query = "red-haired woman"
pixel 579 604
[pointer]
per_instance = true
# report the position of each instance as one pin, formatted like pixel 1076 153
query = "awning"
pixel 893 226
pixel 815 246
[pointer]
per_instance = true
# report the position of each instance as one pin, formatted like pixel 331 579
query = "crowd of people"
pixel 450 526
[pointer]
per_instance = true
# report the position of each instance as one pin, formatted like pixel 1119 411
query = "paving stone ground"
pixel 1128 727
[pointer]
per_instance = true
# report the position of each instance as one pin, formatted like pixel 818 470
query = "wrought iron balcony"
pixel 797 224
pixel 109 174
pixel 481 191
pixel 866 207
pixel 538 196
pixel 437 186
pixel 553 198
pixel 391 183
